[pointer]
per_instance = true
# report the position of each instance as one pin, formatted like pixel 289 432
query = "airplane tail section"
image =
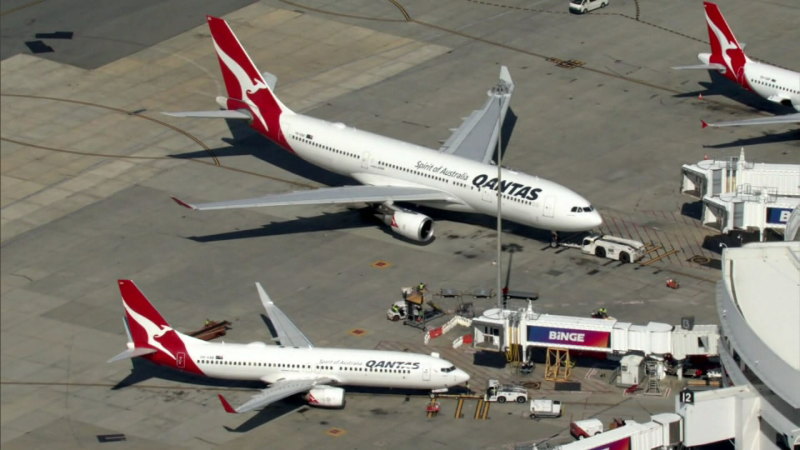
pixel 249 91
pixel 149 334
pixel 725 49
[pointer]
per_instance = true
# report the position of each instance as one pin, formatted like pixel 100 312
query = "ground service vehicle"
pixel 543 407
pixel 585 428
pixel 611 247
pixel 584 6
pixel 397 311
pixel 503 393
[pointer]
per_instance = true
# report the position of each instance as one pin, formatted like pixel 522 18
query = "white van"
pixel 583 6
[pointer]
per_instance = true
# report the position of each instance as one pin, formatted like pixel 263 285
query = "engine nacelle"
pixel 409 224
pixel 325 396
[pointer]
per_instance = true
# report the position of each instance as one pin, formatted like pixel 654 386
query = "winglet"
pixel 703 123
pixel 225 405
pixel 265 300
pixel 183 203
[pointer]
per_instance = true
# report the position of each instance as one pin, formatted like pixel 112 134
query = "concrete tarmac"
pixel 89 165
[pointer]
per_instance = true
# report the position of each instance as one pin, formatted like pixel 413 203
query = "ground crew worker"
pixel 603 313
pixel 207 323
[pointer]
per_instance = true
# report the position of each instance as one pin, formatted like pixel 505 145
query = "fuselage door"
pixel 488 195
pixel 426 372
pixel 549 206
pixel 365 157
pixel 180 360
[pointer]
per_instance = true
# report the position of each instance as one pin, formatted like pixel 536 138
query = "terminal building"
pixel 742 195
pixel 758 300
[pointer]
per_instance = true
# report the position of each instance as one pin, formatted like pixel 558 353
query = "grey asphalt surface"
pixel 89 165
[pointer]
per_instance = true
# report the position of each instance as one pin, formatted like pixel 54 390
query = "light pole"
pixel 499 198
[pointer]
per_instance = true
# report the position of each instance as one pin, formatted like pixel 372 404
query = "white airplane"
pixel 457 177
pixel 291 368
pixel 728 58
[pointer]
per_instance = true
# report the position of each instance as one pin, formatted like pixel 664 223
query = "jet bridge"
pixel 500 329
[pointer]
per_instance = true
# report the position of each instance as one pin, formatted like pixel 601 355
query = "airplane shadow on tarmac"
pixel 143 370
pixel 719 85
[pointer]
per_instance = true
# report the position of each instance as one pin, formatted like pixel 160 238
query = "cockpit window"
pixel 448 369
pixel 582 209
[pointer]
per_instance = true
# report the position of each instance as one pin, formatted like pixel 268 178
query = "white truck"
pixel 543 407
pixel 496 392
pixel 611 247
pixel 585 428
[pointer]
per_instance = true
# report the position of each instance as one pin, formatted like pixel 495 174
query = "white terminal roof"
pixel 764 281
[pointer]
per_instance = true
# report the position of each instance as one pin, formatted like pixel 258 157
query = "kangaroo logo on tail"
pixel 245 84
pixel 149 330
pixel 725 49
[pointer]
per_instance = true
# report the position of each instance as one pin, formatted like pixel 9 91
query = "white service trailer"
pixel 663 431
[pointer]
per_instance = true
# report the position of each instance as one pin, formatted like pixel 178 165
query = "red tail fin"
pixel 725 49
pixel 246 87
pixel 149 330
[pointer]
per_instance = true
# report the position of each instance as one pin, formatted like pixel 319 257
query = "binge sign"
pixel 622 444
pixel 567 336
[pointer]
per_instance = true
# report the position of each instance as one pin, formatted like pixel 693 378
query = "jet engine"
pixel 409 224
pixel 325 396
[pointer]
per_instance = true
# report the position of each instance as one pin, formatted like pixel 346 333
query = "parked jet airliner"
pixel 458 177
pixel 291 368
pixel 727 57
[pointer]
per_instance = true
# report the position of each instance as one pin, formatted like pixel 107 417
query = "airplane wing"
pixel 786 118
pixel 710 66
pixel 476 138
pixel 343 194
pixel 277 391
pixel 288 333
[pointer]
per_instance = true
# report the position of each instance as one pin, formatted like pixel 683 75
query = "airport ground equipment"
pixel 497 329
pixel 631 371
pixel 545 408
pixel 741 195
pixel 211 330
pixel 611 247
pixel 398 311
pixel 412 309
pixel 662 432
pixel 501 393
pixel 558 365
pixel 585 428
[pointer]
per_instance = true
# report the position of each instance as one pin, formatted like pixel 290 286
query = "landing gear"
pixel 554 239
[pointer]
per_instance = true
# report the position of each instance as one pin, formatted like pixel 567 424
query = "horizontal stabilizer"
pixel 221 114
pixel 132 353
pixel 786 118
pixel 710 66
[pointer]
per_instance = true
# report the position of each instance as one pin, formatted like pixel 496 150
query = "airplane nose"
pixel 461 377
pixel 596 219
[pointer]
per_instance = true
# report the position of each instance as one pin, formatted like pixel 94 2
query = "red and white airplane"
pixel 291 368
pixel 728 58
pixel 457 177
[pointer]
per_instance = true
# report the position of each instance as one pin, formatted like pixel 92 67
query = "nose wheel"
pixel 554 239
